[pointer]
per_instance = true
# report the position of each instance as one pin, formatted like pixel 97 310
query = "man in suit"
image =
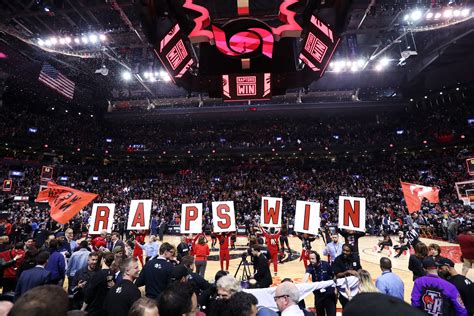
pixel 35 276
pixel 115 241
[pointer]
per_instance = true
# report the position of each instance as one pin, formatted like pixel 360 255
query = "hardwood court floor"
pixel 295 269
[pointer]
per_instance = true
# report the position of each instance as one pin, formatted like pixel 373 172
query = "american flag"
pixel 51 77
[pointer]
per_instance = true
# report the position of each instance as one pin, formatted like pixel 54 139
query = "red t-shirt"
pixel 466 242
pixel 224 241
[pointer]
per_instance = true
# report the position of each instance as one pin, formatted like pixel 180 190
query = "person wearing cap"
pixel 465 287
pixel 434 295
pixel 389 283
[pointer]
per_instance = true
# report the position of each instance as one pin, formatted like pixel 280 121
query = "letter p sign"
pixel 352 213
pixel 191 218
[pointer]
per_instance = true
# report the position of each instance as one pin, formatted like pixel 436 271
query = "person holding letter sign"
pixel 306 245
pixel 224 249
pixel 271 239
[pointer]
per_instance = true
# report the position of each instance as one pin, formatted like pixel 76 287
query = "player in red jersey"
pixel 137 250
pixel 271 239
pixel 224 249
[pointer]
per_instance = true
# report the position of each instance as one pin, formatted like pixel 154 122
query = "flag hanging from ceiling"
pixel 65 202
pixel 414 194
pixel 51 77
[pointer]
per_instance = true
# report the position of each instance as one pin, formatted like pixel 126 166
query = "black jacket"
pixel 263 275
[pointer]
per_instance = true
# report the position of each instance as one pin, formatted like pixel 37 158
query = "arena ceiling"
pixel 421 55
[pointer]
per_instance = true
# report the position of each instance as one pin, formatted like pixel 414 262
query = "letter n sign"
pixel 352 213
pixel 307 218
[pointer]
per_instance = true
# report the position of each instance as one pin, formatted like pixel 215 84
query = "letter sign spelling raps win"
pixel 102 218
pixel 223 216
pixel 352 213
pixel 270 215
pixel 307 217
pixel 139 215
pixel 191 218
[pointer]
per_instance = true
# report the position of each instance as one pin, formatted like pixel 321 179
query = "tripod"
pixel 246 274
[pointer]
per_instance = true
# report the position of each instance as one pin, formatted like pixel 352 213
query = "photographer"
pixel 262 270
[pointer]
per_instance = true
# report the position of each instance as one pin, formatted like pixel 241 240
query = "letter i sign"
pixel 307 218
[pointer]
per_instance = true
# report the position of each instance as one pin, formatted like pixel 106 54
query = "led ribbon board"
pixel 319 46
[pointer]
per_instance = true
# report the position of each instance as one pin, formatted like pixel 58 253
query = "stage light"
pixel 93 38
pixel 465 12
pixel 437 15
pixel 411 100
pixel 429 15
pixel 348 64
pixel 85 40
pixel 384 61
pixel 146 75
pixel 354 68
pixel 448 13
pixel 126 75
pixel 62 41
pixel 378 67
pixel 53 40
pixel 67 40
pixel 457 89
pixel 416 15
pixel 426 97
pixel 456 13
pixel 406 17
pixel 40 42
pixel 47 43
pixel 152 79
pixel 102 37
pixel 165 76
pixel 441 93
pixel 77 40
pixel 361 63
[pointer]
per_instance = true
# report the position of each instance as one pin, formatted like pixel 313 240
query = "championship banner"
pixel 270 215
pixel 352 213
pixel 191 218
pixel 7 185
pixel 139 215
pixel 223 217
pixel 65 202
pixel 415 193
pixel 307 218
pixel 102 218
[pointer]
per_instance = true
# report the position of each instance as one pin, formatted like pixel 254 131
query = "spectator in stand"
pixel 466 243
pixel 69 234
pixel 177 300
pixel 56 263
pixel 201 251
pixel 121 297
pixel 115 241
pixel 227 286
pixel 42 300
pixel 10 272
pixel 287 297
pixel 389 283
pixel 465 286
pixel 434 295
pixel 209 296
pixel 156 272
pixel 415 262
pixel 144 307
pixel 34 277
pixel 365 282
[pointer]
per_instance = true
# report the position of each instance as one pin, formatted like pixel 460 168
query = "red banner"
pixel 414 194
pixel 65 202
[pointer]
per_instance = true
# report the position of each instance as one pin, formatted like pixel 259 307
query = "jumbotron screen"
pixel 243 87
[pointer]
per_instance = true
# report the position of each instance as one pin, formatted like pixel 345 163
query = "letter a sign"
pixel 270 215
pixel 223 216
pixel 352 213
pixel 307 217
pixel 139 215
pixel 102 218
pixel 191 218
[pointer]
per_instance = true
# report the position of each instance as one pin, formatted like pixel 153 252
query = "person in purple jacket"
pixel 436 296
